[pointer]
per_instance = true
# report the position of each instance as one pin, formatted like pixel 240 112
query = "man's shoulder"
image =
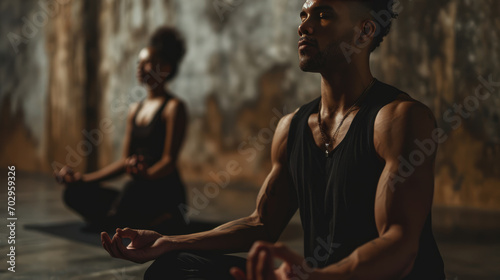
pixel 284 124
pixel 404 106
pixel 302 111
pixel 402 121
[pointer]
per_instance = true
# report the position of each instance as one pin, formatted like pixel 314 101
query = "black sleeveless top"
pixel 149 140
pixel 336 195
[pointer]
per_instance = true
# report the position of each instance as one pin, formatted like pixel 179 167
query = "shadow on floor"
pixel 68 230
pixel 76 230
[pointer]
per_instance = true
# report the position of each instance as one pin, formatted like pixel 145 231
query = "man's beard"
pixel 331 56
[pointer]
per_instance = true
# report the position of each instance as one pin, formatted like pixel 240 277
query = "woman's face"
pixel 150 71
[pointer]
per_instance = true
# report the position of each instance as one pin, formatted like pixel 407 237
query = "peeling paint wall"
pixel 239 76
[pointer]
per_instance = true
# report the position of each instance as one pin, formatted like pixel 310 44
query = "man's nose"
pixel 305 28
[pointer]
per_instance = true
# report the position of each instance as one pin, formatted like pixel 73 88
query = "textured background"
pixel 73 67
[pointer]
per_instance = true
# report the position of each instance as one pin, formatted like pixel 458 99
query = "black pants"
pixel 142 204
pixel 193 266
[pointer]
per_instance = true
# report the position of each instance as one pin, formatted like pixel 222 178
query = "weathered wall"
pixel 23 86
pixel 437 52
pixel 239 75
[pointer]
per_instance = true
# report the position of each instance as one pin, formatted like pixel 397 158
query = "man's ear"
pixel 368 31
pixel 364 34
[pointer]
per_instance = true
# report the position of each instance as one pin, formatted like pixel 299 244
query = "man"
pixel 339 160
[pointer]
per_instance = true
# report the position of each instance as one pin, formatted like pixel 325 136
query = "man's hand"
pixel 146 245
pixel 136 166
pixel 66 175
pixel 260 264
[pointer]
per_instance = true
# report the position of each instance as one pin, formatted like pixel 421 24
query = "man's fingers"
pixel 127 233
pixel 252 259
pixel 115 247
pixel 237 273
pixel 281 251
pixel 265 266
pixel 106 243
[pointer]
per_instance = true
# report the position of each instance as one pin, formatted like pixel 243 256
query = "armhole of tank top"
pixel 371 124
pixel 371 132
pixel 164 105
pixel 291 136
pixel 292 131
pixel 159 113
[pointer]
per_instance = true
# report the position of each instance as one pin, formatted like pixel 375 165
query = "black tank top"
pixel 336 195
pixel 149 140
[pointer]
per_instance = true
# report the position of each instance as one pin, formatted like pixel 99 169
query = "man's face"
pixel 326 24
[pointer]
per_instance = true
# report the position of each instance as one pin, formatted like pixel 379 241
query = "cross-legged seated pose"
pixel 341 160
pixel 154 135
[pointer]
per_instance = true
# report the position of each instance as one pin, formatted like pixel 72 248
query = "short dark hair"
pixel 169 46
pixel 378 6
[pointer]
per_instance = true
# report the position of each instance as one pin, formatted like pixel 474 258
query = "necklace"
pixel 324 136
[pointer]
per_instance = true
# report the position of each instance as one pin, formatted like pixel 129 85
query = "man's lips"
pixel 304 43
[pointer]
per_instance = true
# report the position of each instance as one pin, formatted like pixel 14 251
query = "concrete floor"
pixel 50 245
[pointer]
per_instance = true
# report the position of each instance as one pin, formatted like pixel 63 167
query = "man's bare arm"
pixel 401 206
pixel 276 204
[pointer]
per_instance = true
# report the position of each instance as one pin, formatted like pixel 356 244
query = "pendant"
pixel 326 149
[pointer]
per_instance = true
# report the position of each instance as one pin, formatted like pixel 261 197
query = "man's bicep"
pixel 406 185
pixel 276 202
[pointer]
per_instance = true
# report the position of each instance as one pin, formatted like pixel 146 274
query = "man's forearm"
pixel 231 237
pixel 381 258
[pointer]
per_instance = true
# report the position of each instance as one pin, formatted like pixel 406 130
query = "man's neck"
pixel 341 89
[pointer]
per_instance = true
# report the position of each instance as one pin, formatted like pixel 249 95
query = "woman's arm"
pixel 176 124
pixel 276 204
pixel 117 167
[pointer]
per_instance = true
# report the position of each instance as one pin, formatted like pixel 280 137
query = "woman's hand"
pixel 260 264
pixel 66 175
pixel 136 166
pixel 146 245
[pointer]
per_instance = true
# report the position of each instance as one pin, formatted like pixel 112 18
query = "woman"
pixel 155 131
